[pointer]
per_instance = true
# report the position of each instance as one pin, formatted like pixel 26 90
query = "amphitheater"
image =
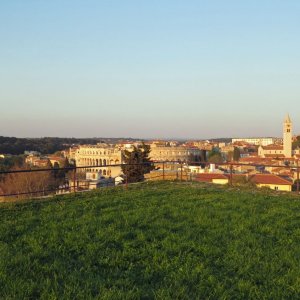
pixel 99 158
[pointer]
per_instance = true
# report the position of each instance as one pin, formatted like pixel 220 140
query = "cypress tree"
pixel 137 163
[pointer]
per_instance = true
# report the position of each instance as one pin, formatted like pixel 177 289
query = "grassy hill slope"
pixel 156 240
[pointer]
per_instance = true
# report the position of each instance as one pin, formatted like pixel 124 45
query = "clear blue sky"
pixel 159 68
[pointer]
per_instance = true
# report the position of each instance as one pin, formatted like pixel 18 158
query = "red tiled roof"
pixel 279 169
pixel 208 177
pixel 274 155
pixel 56 157
pixel 286 173
pixel 269 179
pixel 237 175
pixel 254 159
pixel 273 147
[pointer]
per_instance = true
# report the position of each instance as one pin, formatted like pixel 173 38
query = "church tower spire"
pixel 287 136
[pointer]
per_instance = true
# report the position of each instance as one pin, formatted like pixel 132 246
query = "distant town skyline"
pixel 149 69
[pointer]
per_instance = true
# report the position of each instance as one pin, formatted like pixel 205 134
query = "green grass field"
pixel 152 241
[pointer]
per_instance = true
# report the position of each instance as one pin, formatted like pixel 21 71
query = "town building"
pixel 93 180
pixel 179 154
pixel 212 178
pixel 272 181
pixel 271 151
pixel 32 152
pixel 284 150
pixel 41 163
pixel 56 160
pixel 102 158
pixel 202 145
pixel 106 160
pixel 258 141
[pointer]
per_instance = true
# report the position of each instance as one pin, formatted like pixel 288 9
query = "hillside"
pixel 157 240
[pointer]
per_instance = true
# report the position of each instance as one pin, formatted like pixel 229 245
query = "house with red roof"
pixel 212 177
pixel 272 181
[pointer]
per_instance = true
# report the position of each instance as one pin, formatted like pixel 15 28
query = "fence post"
pixel 181 171
pixel 297 176
pixel 163 170
pixel 231 174
pixel 74 180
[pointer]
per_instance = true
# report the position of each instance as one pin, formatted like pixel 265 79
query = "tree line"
pixel 32 183
pixel 45 145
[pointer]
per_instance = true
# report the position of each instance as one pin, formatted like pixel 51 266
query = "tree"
pixel 59 172
pixel 236 154
pixel 56 172
pixel 243 180
pixel 48 165
pixel 215 156
pixel 229 156
pixel 137 163
pixel 296 143
pixel 294 187
pixel 32 183
pixel 11 162
pixel 65 163
pixel 58 153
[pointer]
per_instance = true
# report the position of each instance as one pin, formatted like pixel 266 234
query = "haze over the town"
pixel 184 69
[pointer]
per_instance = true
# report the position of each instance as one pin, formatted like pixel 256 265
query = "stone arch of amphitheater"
pixel 105 160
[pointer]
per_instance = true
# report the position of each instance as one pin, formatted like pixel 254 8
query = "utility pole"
pixel 298 176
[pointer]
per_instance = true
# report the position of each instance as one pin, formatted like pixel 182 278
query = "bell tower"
pixel 287 137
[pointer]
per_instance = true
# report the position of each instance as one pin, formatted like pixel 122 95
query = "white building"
pixel 258 141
